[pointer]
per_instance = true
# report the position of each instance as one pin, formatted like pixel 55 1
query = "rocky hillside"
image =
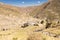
pixel 30 23
pixel 15 17
pixel 6 9
pixel 51 10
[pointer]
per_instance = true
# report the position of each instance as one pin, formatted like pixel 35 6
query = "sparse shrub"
pixel 15 39
pixel 4 29
pixel 36 25
pixel 44 38
pixel 42 22
pixel 48 25
pixel 25 25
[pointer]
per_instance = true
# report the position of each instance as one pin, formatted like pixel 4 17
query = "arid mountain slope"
pixel 6 9
pixel 24 23
pixel 15 17
pixel 51 10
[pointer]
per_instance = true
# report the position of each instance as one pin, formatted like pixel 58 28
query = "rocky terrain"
pixel 30 23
